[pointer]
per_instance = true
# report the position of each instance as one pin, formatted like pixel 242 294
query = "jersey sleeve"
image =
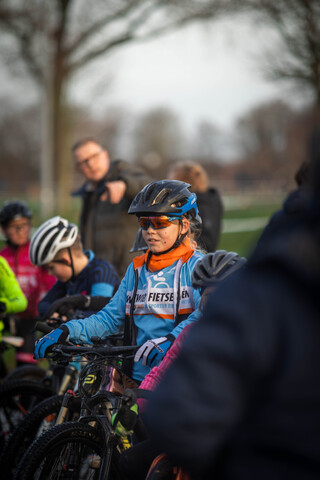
pixel 106 322
pixel 57 291
pixel 10 291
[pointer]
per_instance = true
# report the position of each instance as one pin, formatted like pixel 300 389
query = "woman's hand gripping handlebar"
pixel 44 345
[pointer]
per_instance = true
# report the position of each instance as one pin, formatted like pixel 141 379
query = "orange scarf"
pixel 158 262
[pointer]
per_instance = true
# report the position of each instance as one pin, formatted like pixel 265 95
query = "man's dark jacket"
pixel 106 228
pixel 242 401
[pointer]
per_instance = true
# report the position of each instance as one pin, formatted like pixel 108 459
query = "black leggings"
pixel 135 462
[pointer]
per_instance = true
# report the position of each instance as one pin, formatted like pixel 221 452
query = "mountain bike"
pixel 88 448
pixel 50 412
pixel 19 396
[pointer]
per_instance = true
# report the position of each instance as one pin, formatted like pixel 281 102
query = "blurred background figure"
pixel 35 282
pixel 107 193
pixel 208 200
pixel 139 245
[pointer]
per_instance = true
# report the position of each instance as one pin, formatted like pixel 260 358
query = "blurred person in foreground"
pixel 208 198
pixel 106 195
pixel 242 399
pixel 35 282
pixel 295 202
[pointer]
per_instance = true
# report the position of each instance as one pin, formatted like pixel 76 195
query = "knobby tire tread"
pixel 24 434
pixel 54 439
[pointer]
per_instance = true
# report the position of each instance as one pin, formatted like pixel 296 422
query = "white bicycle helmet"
pixel 51 237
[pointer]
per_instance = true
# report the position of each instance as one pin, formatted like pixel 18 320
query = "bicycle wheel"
pixel 17 398
pixel 71 450
pixel 31 372
pixel 38 421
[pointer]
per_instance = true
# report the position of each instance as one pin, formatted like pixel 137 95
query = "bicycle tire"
pixel 49 455
pixel 28 429
pixel 31 372
pixel 17 398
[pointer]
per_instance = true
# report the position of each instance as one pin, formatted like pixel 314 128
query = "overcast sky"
pixel 201 74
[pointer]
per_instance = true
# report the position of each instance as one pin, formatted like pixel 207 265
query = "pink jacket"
pixel 34 281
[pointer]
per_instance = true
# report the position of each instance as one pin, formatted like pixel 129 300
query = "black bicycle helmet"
pixel 51 237
pixel 166 197
pixel 13 210
pixel 214 267
pixel 139 244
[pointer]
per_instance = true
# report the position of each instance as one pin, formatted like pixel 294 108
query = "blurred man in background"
pixel 110 186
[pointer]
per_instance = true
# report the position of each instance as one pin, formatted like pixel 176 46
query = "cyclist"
pixel 12 299
pixel 155 300
pixel 208 272
pixel 85 283
pixel 15 221
pixel 242 399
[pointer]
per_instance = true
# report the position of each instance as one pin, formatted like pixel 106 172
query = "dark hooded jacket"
pixel 243 398
pixel 106 228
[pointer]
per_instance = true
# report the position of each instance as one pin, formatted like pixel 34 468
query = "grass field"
pixel 243 220
pixel 242 226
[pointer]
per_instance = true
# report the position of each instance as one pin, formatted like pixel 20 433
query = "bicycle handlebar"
pixel 43 327
pixel 104 350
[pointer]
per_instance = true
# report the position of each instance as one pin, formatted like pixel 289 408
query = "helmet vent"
pixel 148 192
pixel 160 197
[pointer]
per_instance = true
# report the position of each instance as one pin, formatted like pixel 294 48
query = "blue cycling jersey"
pixel 97 278
pixel 164 302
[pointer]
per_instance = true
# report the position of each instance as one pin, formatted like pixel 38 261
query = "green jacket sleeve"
pixel 10 291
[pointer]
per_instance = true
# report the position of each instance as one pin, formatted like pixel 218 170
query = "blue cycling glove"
pixel 153 351
pixel 44 345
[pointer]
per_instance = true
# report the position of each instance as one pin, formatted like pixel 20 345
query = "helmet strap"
pixel 71 264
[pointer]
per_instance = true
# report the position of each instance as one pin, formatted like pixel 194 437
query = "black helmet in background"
pixel 212 268
pixel 13 210
pixel 139 245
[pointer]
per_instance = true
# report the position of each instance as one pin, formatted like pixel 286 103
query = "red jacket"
pixel 34 281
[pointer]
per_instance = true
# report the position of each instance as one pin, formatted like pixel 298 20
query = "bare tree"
pixel 205 143
pixel 56 38
pixel 158 140
pixel 294 55
pixel 265 127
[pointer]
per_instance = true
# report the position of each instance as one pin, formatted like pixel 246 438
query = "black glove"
pixel 125 420
pixel 64 305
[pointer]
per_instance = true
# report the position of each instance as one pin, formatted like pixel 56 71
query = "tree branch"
pixel 131 32
pixel 97 26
